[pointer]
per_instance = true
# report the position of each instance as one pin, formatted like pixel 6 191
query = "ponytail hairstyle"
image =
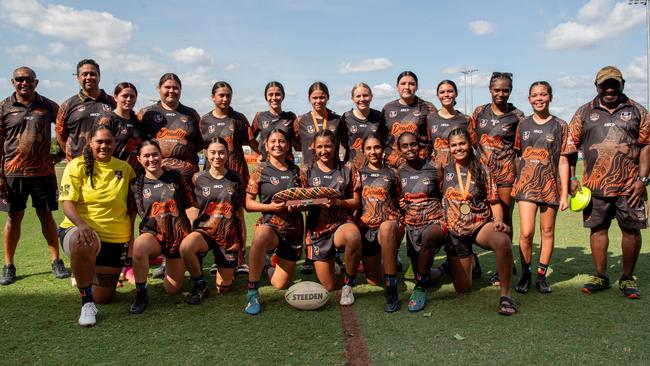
pixel 407 73
pixel 275 84
pixel 319 85
pixel 541 83
pixel 330 135
pixel 170 76
pixel 475 166
pixel 139 180
pixel 507 76
pixel 221 84
pixel 361 85
pixel 448 82
pixel 89 158
pixel 124 85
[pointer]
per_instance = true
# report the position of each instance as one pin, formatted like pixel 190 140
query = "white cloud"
pixel 196 79
pixel 49 84
pixel 97 30
pixel 21 48
pixel 596 21
pixel 232 67
pixel 481 27
pixel 383 91
pixel 636 70
pixel 41 62
pixel 56 47
pixel 368 64
pixel 191 55
pixel 477 80
pixel 575 81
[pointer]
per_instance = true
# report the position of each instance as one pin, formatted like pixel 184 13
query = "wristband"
pixel 573 178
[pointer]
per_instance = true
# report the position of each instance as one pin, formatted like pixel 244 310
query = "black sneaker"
pixel 58 269
pixel 542 285
pixel 242 270
pixel 524 283
pixel 159 272
pixel 596 284
pixel 140 303
pixel 307 268
pixel 8 274
pixel 214 269
pixel 198 293
pixel 629 288
pixel 476 271
pixel 392 299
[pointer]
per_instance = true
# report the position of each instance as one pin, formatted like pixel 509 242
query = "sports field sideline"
pixel 38 315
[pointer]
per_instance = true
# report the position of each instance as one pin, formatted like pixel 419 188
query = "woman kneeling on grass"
pixel 381 232
pixel 220 198
pixel 94 192
pixel 473 215
pixel 330 226
pixel 161 197
pixel 280 228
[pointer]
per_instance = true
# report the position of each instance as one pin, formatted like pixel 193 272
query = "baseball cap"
pixel 609 72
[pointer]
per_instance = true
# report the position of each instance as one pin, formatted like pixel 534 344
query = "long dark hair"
pixel 124 85
pixel 319 85
pixel 475 166
pixel 89 158
pixel 170 76
pixel 448 82
pixel 139 180
pixel 407 73
pixel 330 135
pixel 549 89
pixel 272 84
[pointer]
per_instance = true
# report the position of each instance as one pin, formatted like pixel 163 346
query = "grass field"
pixel 38 315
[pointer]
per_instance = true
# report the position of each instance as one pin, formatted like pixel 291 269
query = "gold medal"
pixel 313 118
pixel 464 190
pixel 464 209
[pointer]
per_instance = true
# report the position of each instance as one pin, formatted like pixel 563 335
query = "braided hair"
pixel 475 166
pixel 89 158
pixel 139 180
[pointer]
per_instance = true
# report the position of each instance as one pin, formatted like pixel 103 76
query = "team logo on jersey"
pixel 434 128
pixel 315 181
pixel 184 119
pixel 158 118
pixel 275 181
pixel 364 177
pixel 550 137
pixel 526 135
pixel 211 129
pixel 340 179
pixel 417 114
pixel 39 111
pixel 426 181
pixel 626 116
pixel 482 122
pixel 146 193
pixel 265 124
pixel 332 128
pixel 124 130
pixel 107 108
pixel 172 187
pixel 205 191
pixel 316 250
pixel 353 129
pixel 230 190
pixel 594 116
pixel 81 108
pixel 392 114
pixel 65 190
pixel 404 181
pixel 118 174
pixel 449 177
pixel 310 129
pixel 286 123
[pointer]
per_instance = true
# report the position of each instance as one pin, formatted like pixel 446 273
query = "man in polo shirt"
pixel 82 111
pixel 614 134
pixel 27 168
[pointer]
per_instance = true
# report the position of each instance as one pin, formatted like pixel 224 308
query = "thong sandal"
pixel 507 306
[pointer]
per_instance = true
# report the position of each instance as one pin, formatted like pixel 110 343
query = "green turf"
pixel 38 315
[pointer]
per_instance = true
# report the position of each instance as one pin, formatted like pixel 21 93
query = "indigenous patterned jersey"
pixel 219 200
pixel 611 144
pixel 439 129
pixel 494 137
pixel 421 193
pixel 177 132
pixel 26 132
pixel 345 179
pixel 358 129
pixel 267 180
pixel 305 129
pixel 127 137
pixel 380 192
pixel 163 205
pixel 265 122
pixel 540 147
pixel 402 118
pixel 234 128
pixel 480 213
pixel 77 116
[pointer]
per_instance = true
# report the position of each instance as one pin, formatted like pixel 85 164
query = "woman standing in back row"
pixel 440 123
pixel 266 121
pixel 361 121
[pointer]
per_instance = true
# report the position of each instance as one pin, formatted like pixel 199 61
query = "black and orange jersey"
pixel 400 118
pixel 267 180
pixel 421 193
pixel 439 129
pixel 219 201
pixel 265 122
pixel 25 133
pixel 177 133
pixel 344 178
pixel 358 129
pixel 127 136
pixel 611 144
pixel 540 147
pixel 380 193
pixel 234 128
pixel 494 137
pixel 305 129
pixel 77 116
pixel 163 205
pixel 480 213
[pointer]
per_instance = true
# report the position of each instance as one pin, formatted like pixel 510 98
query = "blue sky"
pixel 249 43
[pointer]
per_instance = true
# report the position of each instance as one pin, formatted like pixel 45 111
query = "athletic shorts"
pixel 289 246
pixel 370 242
pixel 414 238
pixel 222 257
pixel 461 246
pixel 601 210
pixel 322 248
pixel 170 249
pixel 44 192
pixel 110 254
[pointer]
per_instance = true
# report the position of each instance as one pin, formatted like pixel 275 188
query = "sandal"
pixel 507 306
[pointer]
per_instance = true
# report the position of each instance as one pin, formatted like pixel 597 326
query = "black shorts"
pixel 321 249
pixel 170 249
pixel 414 238
pixel 601 210
pixel 44 192
pixel 222 257
pixel 289 246
pixel 461 246
pixel 370 242
pixel 110 254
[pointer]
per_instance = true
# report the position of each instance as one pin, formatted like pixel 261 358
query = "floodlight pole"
pixel 469 72
pixel 647 24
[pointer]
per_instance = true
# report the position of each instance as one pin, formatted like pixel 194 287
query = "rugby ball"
pixel 307 295
pixel 68 238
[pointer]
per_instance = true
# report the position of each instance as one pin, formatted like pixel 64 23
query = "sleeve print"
pixel 644 127
pixel 254 180
pixel 567 147
pixel 575 130
pixel 188 194
pixel 491 188
pixel 517 145
pixel 304 179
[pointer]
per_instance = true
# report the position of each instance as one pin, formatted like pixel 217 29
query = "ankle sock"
pixel 541 270
pixel 253 285
pixel 391 279
pixel 86 294
pixel 349 280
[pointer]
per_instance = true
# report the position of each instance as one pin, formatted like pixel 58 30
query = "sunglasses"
pixel 22 79
pixel 507 75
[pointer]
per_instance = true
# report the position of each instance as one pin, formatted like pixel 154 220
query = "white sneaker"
pixel 347 296
pixel 88 313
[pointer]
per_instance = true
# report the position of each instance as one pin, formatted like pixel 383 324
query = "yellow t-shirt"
pixel 104 207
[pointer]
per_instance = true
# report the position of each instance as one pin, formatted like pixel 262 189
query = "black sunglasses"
pixel 22 79
pixel 507 75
